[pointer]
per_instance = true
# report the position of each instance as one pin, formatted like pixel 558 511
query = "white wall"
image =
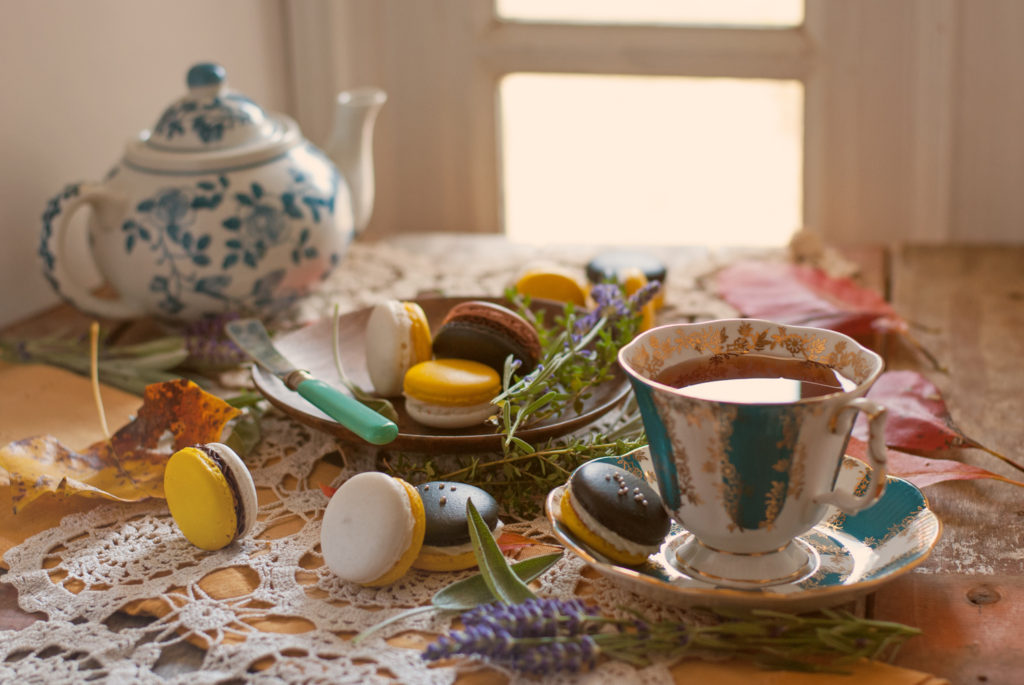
pixel 78 78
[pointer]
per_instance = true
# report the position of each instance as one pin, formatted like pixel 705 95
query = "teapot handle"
pixel 56 221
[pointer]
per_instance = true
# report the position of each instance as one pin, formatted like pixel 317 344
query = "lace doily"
pixel 294 620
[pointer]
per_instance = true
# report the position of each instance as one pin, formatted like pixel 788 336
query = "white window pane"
pixel 651 160
pixel 677 12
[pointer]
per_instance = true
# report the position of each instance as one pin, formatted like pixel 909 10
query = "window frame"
pixel 878 120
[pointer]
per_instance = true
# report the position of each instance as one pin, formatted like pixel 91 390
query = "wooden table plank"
pixel 967 305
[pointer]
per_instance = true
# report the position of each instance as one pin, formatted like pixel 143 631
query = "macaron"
pixel 211 495
pixel 609 266
pixel 446 543
pixel 487 333
pixel 553 282
pixel 372 529
pixel 397 337
pixel 450 393
pixel 614 512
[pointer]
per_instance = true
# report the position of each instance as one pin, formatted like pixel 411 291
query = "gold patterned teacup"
pixel 747 423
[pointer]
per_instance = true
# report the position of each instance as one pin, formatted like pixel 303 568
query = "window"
pixel 650 159
pixel 853 104
pixel 760 13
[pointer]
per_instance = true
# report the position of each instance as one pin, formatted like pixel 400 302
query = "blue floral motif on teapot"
pixel 255 221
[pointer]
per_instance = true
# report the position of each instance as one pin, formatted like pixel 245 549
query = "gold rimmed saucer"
pixel 853 554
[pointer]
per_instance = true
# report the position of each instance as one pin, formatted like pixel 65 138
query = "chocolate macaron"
pixel 487 333
pixel 614 512
pixel 446 542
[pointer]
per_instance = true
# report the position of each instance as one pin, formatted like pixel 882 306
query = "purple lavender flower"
pixel 644 295
pixel 535 636
pixel 611 304
pixel 207 345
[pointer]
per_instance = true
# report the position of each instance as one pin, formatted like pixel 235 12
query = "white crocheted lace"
pixel 83 573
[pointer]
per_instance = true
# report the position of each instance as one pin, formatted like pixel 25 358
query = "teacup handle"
pixel 877 458
pixel 108 207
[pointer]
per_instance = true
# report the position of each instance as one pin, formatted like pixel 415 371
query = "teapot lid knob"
pixel 206 74
pixel 211 117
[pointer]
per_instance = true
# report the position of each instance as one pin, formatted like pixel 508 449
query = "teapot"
pixel 221 207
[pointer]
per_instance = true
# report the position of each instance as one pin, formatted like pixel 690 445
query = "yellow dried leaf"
pixel 129 467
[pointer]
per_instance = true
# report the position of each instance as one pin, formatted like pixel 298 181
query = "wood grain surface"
pixel 966 305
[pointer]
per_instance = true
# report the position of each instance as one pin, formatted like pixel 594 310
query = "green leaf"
pixel 465 594
pixel 505 585
pixel 468 593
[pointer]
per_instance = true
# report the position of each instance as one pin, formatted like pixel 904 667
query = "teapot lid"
pixel 210 126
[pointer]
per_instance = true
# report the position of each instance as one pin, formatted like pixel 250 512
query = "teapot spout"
pixel 350 147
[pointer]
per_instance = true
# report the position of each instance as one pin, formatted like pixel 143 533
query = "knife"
pixel 252 337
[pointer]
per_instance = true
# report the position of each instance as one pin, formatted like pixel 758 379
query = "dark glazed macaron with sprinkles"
pixel 446 543
pixel 614 512
pixel 487 333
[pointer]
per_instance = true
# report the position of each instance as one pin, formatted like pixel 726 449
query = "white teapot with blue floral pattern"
pixel 221 207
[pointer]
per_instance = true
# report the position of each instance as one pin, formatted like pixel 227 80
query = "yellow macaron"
pixel 372 529
pixel 450 393
pixel 553 282
pixel 211 495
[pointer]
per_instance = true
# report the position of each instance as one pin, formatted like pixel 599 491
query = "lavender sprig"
pixel 577 355
pixel 547 635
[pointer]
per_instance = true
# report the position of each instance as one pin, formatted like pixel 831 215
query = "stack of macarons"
pixel 614 512
pixel 376 527
pixel 448 380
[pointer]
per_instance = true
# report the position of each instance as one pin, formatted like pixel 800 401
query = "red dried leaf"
pixel 925 471
pixel 509 542
pixel 799 294
pixel 327 490
pixel 918 417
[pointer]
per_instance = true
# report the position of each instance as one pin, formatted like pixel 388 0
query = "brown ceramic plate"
pixel 312 348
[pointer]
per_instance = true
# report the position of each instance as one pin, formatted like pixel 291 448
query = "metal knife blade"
pixel 252 337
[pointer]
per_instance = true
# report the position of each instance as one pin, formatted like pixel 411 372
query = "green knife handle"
pixel 349 412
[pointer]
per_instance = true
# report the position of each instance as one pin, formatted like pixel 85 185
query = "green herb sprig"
pixel 130 367
pixel 578 353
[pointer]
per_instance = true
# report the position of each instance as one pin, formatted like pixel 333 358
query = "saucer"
pixel 854 554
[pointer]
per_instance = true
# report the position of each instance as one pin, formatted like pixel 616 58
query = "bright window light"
pixel 644 160
pixel 678 12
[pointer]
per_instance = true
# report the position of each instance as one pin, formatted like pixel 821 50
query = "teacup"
pixel 748 467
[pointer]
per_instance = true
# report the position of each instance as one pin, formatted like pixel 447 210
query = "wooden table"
pixel 967 308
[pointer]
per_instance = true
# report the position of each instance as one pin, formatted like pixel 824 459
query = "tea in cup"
pixel 747 423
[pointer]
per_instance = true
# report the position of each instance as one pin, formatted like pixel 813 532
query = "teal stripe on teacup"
pixel 660 445
pixel 759 449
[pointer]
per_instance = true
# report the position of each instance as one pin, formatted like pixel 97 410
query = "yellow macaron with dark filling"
pixel 372 529
pixel 211 495
pixel 450 393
